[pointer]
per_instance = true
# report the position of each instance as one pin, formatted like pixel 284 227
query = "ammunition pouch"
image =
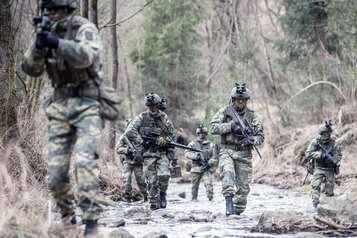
pixel 175 172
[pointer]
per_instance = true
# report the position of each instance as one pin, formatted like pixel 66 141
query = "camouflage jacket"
pixel 145 124
pixel 74 61
pixel 192 157
pixel 221 125
pixel 123 151
pixel 314 151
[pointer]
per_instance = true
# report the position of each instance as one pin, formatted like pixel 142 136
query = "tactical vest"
pixel 230 138
pixel 321 162
pixel 60 71
pixel 200 146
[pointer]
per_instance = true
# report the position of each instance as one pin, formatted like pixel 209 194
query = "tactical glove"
pixel 248 141
pixel 236 129
pixel 46 39
pixel 161 141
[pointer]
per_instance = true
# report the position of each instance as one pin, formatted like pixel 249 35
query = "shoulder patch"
pixel 88 35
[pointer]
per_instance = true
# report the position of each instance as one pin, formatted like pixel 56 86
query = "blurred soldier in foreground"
pixel 237 142
pixel 325 157
pixel 132 164
pixel 67 47
pixel 156 162
pixel 201 165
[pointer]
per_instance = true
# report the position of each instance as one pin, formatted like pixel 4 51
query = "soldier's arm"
pixel 337 153
pixel 33 62
pixel 171 129
pixel 120 146
pixel 190 155
pixel 212 160
pixel 132 131
pixel 312 150
pixel 217 126
pixel 258 130
pixel 84 49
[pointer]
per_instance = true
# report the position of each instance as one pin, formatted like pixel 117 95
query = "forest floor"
pixel 271 212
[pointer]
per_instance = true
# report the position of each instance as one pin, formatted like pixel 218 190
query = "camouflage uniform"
pixel 235 160
pixel 156 162
pixel 131 165
pixel 73 112
pixel 197 169
pixel 324 170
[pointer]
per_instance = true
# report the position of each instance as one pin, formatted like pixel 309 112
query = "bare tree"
pixel 115 64
pixel 8 115
pixel 84 8
pixel 93 11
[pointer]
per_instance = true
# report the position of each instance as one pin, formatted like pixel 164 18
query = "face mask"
pixel 325 137
pixel 202 136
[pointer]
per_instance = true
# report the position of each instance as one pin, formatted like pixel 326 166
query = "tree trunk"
pixel 8 111
pixel 115 64
pixel 84 8
pixel 93 11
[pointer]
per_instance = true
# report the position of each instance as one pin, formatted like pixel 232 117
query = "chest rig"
pixel 329 146
pixel 230 138
pixel 63 74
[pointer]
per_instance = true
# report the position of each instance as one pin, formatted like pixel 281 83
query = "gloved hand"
pixel 236 129
pixel 160 141
pixel 46 39
pixel 248 141
pixel 137 154
pixel 174 163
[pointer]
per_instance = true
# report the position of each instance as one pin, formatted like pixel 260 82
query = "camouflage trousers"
pixel 322 177
pixel 207 181
pixel 74 125
pixel 236 175
pixel 137 169
pixel 157 174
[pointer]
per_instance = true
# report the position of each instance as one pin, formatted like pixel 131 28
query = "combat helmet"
pixel 326 127
pixel 152 99
pixel 240 91
pixel 72 4
pixel 201 129
pixel 162 104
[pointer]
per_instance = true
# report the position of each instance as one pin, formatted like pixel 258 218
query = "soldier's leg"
pixel 207 181
pixel 243 179
pixel 316 182
pixel 140 179
pixel 226 167
pixel 163 174
pixel 329 183
pixel 87 171
pixel 150 173
pixel 128 171
pixel 60 139
pixel 195 182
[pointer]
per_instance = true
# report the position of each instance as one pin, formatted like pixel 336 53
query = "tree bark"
pixel 84 8
pixel 93 11
pixel 8 109
pixel 115 63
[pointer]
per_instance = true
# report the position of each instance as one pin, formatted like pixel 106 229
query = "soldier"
pixel 131 165
pixel 68 50
pixel 203 164
pixel 156 161
pixel 235 157
pixel 162 104
pixel 326 156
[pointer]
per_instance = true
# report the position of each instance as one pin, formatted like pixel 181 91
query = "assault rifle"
pixel 246 129
pixel 204 160
pixel 133 150
pixel 150 139
pixel 43 22
pixel 330 158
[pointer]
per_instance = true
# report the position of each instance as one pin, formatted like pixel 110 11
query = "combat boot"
pixel 229 206
pixel 91 229
pixel 154 206
pixel 145 198
pixel 127 199
pixel 162 200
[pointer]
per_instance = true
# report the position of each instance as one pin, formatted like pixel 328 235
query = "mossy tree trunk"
pixel 8 112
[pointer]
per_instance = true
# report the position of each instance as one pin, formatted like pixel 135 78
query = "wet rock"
pixel 277 221
pixel 339 207
pixel 136 210
pixel 120 222
pixel 120 233
pixel 308 235
pixel 182 195
pixel 155 235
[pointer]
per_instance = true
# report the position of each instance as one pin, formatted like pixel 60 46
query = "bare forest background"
pixel 298 58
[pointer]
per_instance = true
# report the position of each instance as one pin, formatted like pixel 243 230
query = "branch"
pixel 329 223
pixel 126 19
pixel 314 84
